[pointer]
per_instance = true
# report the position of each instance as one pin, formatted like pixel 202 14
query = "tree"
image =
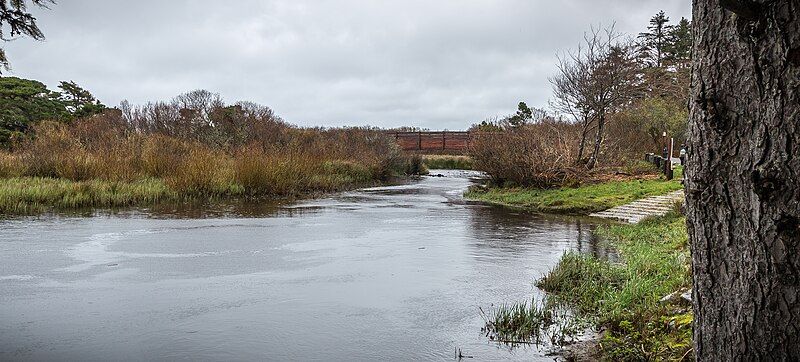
pixel 80 102
pixel 679 49
pixel 743 180
pixel 524 115
pixel 15 21
pixel 655 41
pixel 23 102
pixel 595 81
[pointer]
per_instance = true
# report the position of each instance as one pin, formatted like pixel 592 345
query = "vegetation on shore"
pixel 575 200
pixel 192 147
pixel 625 298
pixel 447 162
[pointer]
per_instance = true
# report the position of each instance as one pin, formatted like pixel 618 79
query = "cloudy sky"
pixel 438 64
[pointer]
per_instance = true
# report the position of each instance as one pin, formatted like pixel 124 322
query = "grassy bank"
pixel 624 298
pixel 113 160
pixel 578 200
pixel 447 162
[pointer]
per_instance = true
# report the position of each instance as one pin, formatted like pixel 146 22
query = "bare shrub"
pixel 537 155
pixel 10 165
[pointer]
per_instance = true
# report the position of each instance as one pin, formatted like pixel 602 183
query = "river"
pixel 386 273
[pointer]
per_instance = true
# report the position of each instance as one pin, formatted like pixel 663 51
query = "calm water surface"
pixel 388 273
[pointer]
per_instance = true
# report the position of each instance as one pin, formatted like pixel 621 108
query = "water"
pixel 389 273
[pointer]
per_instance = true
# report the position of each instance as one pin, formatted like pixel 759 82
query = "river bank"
pixel 632 301
pixel 36 195
pixel 581 200
pixel 406 265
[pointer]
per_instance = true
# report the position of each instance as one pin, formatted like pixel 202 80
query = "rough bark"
pixel 743 195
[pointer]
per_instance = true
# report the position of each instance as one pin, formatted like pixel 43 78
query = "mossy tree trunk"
pixel 743 195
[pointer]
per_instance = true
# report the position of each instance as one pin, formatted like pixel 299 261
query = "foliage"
pixel 14 17
pixel 625 297
pixel 578 200
pixel 24 102
pixel 207 150
pixel 36 194
pixel 539 155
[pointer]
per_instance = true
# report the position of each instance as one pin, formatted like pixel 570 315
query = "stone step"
pixel 638 210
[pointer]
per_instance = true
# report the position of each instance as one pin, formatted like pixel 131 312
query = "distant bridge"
pixel 432 141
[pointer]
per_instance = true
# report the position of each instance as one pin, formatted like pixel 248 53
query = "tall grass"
pixel 624 299
pixel 23 195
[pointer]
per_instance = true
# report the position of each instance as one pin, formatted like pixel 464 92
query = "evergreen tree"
pixel 79 102
pixel 15 20
pixel 524 115
pixel 679 48
pixel 655 42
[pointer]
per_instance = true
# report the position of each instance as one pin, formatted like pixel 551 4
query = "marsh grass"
pixel 101 162
pixel 26 195
pixel 539 322
pixel 575 200
pixel 447 162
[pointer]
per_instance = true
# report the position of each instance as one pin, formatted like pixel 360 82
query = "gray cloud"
pixel 436 64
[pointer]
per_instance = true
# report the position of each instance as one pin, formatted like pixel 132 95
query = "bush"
pixel 537 155
pixel 10 165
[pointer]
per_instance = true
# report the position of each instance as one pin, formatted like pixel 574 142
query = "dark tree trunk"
pixel 582 146
pixel 598 141
pixel 743 195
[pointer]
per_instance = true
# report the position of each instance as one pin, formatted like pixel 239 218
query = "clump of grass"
pixel 36 194
pixel 538 323
pixel 625 298
pixel 575 200
pixel 447 162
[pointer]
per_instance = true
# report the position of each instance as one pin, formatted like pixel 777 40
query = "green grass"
pixel 623 298
pixel 447 162
pixel 25 195
pixel 579 200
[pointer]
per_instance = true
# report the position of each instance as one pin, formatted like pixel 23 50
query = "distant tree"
pixel 596 80
pixel 80 102
pixel 655 42
pixel 524 115
pixel 23 102
pixel 679 48
pixel 15 21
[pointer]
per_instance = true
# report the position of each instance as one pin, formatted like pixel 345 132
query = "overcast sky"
pixel 438 64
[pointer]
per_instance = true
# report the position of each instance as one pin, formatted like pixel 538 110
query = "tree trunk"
pixel 582 145
pixel 598 140
pixel 742 190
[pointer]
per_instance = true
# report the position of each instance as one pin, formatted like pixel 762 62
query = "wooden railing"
pixel 432 140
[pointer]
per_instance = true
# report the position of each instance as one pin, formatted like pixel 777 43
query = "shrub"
pixel 538 155
pixel 10 165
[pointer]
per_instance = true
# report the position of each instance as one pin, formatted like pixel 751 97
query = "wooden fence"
pixel 432 141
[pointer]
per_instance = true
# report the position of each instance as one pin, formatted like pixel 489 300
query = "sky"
pixel 436 64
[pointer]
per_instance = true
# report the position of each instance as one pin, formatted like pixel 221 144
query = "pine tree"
pixel 655 41
pixel 15 16
pixel 679 48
